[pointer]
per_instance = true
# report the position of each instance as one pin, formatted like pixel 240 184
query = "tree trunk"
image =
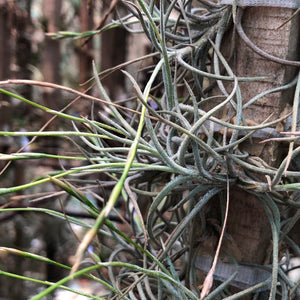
pixel 51 60
pixel 249 227
pixel 23 47
pixel 113 52
pixel 5 124
pixel 5 50
pixel 8 14
pixel 51 56
pixel 85 51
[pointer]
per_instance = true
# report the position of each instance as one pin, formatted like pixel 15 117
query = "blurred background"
pixel 29 51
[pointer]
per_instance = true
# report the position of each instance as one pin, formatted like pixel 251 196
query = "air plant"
pixel 168 162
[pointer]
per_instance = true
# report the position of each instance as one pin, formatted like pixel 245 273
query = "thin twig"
pixel 103 19
pixel 208 282
pixel 70 90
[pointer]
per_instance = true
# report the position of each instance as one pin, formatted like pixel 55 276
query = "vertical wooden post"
pixel 247 222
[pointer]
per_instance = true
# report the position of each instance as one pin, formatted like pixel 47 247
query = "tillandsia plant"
pixel 167 160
